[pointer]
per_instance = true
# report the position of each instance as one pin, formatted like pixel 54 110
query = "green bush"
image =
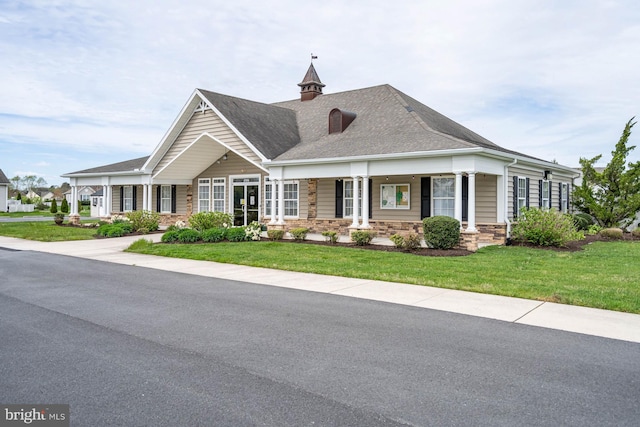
pixel 611 233
pixel 236 234
pixel 330 236
pixel 213 235
pixel 114 230
pixel 593 229
pixel 545 228
pixel 188 235
pixel 64 206
pixel 299 233
pixel 636 233
pixel 170 236
pixel 410 242
pixel 583 221
pixel 206 220
pixel 441 232
pixel 144 221
pixel 54 206
pixel 275 234
pixel 362 238
pixel 397 240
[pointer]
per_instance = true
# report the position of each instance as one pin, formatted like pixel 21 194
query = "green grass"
pixel 604 275
pixel 45 231
pixel 46 214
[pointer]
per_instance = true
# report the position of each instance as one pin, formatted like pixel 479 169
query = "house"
pixel 83 193
pixel 4 192
pixel 372 158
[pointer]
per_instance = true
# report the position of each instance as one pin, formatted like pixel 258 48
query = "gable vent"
pixel 339 120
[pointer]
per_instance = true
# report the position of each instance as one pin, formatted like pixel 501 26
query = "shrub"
pixel 206 220
pixel 611 233
pixel 275 234
pixel 213 235
pixel 54 206
pixel 114 230
pixel 583 221
pixel 362 238
pixel 144 221
pixel 188 235
pixel 236 234
pixel 441 232
pixel 299 233
pixel 397 240
pixel 170 236
pixel 330 236
pixel 253 230
pixel 64 206
pixel 636 233
pixel 594 229
pixel 545 228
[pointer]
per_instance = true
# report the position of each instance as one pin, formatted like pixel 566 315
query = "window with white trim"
pixel 348 199
pixel 219 185
pixel 522 194
pixel 444 193
pixel 127 198
pixel 546 194
pixel 565 197
pixel 204 194
pixel 291 199
pixel 165 198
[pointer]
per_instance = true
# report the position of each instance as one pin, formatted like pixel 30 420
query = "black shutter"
pixel 370 198
pixel 568 198
pixel 173 199
pixel 540 193
pixel 425 197
pixel 134 203
pixel 121 198
pixel 339 199
pixel 550 194
pixel 465 198
pixel 560 196
pixel 158 197
pixel 527 193
pixel 515 196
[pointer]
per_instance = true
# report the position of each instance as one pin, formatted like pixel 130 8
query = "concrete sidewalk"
pixel 603 323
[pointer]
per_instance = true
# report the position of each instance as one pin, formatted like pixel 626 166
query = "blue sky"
pixel 88 83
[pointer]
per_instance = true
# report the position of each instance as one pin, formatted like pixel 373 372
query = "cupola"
pixel 311 85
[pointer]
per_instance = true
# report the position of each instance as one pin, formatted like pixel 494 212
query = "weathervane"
pixel 313 57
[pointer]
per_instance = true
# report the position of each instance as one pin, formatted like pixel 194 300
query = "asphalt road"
pixel 129 346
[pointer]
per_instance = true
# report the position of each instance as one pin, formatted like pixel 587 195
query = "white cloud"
pixel 551 79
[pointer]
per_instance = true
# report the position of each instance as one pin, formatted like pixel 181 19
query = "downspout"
pixel 506 197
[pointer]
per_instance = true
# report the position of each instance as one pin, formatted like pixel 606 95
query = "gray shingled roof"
pixel 388 121
pixel 3 178
pixel 271 129
pixel 126 166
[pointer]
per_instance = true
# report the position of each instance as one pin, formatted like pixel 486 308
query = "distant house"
pixel 4 192
pixel 83 194
pixel 366 159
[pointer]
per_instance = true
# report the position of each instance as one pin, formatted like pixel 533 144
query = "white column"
pixel 104 210
pixel 150 196
pixel 365 202
pixel 471 211
pixel 145 200
pixel 280 202
pixel 74 200
pixel 458 198
pixel 274 200
pixel 109 200
pixel 356 210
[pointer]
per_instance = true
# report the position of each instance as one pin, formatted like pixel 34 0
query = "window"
pixel 291 200
pixel 85 197
pixel 218 194
pixel 444 196
pixel 348 199
pixel 165 199
pixel 564 197
pixel 127 198
pixel 204 194
pixel 545 197
pixel 394 196
pixel 522 194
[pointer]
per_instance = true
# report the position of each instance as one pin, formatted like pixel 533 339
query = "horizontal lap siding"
pixel 326 195
pixel 486 198
pixel 412 214
pixel 206 122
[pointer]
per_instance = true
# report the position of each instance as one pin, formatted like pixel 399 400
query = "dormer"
pixel 339 120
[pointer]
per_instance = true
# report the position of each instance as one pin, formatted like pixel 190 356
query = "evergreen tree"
pixel 611 197
pixel 54 206
pixel 64 207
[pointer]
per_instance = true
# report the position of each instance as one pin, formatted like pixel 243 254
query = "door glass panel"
pixel 238 205
pixel 252 203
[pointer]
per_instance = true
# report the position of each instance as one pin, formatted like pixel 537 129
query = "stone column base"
pixel 74 219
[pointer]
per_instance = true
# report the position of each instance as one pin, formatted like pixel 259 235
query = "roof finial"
pixel 313 57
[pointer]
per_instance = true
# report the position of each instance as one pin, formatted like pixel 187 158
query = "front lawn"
pixel 604 275
pixel 45 231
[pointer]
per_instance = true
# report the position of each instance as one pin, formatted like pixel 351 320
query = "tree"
pixel 29 181
pixel 64 207
pixel 15 182
pixel 54 206
pixel 611 197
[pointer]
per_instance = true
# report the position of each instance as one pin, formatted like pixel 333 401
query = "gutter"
pixel 506 197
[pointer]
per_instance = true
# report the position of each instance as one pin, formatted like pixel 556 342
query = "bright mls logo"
pixel 34 415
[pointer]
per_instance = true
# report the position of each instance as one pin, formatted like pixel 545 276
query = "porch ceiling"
pixel 191 161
